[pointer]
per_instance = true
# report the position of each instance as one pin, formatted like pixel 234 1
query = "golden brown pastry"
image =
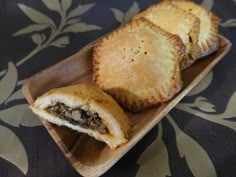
pixel 87 109
pixel 208 40
pixel 138 65
pixel 176 21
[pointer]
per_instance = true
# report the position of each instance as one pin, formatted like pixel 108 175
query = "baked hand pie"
pixel 176 21
pixel 87 109
pixel 208 40
pixel 138 64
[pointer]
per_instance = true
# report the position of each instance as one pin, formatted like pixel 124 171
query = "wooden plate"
pixel 88 156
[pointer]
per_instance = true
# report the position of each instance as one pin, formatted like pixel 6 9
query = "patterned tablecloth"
pixel 197 138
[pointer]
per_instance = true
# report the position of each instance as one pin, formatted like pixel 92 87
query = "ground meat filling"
pixel 78 116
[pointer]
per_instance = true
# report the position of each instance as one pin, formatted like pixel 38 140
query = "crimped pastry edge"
pixel 187 59
pixel 140 105
pixel 212 44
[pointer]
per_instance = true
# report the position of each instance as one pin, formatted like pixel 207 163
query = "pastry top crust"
pixel 176 21
pixel 208 34
pixel 138 64
pixel 88 97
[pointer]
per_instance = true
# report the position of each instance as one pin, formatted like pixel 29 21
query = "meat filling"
pixel 78 116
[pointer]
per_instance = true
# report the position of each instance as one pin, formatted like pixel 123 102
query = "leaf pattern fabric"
pixel 8 82
pixel 36 16
pixel 156 152
pixel 208 4
pixel 196 157
pixel 196 139
pixel 81 27
pixel 53 5
pixel 80 9
pixel 31 28
pixel 124 17
pixel 228 23
pixel 17 154
pixel 61 42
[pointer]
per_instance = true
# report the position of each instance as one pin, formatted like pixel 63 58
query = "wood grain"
pixel 88 156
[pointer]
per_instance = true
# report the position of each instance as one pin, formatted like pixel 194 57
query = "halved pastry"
pixel 176 21
pixel 208 36
pixel 138 64
pixel 87 109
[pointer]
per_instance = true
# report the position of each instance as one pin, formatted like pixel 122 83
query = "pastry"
pixel 138 64
pixel 87 109
pixel 176 21
pixel 208 40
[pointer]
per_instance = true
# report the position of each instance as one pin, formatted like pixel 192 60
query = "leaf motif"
pixel 16 95
pixel 131 12
pixel 150 161
pixel 150 158
pixel 17 155
pixel 30 121
pixel 119 15
pixel 65 4
pixel 19 115
pixel 229 23
pixel 8 82
pixel 61 42
pixel 35 15
pixel 81 27
pixel 52 5
pixel 195 156
pixel 234 1
pixel 38 38
pixel 28 118
pixel 203 104
pixel 81 9
pixel 230 110
pixel 73 21
pixel 31 28
pixel 20 82
pixel 202 85
pixel 207 4
pixel 221 119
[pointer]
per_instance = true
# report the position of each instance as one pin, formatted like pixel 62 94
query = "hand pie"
pixel 87 109
pixel 176 21
pixel 138 65
pixel 208 36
